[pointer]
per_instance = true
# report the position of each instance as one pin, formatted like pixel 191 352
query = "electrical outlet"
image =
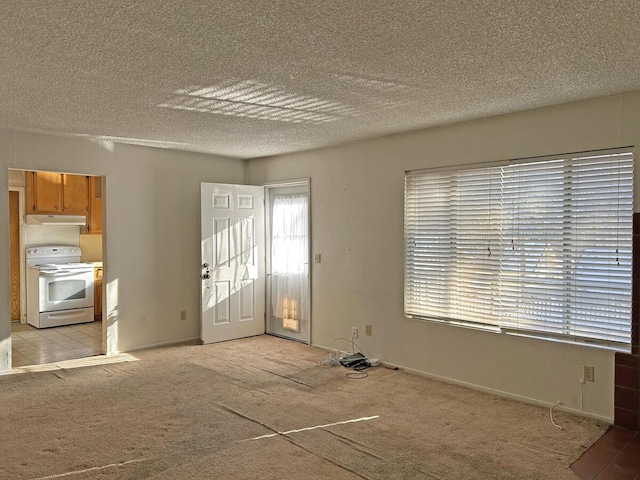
pixel 144 320
pixel 367 330
pixel 354 332
pixel 589 373
pixel 183 315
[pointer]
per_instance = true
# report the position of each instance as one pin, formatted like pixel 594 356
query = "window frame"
pixel 500 326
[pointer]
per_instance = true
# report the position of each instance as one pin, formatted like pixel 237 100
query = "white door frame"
pixel 109 328
pixel 23 294
pixel 267 231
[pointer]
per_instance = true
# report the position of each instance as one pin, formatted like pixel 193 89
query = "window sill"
pixel 614 347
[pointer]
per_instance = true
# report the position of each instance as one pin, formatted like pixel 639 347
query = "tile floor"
pixel 33 346
pixel 615 456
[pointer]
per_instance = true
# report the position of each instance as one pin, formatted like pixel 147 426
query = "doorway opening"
pixel 288 305
pixel 29 195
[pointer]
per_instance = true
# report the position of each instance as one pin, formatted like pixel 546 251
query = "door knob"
pixel 205 265
pixel 206 276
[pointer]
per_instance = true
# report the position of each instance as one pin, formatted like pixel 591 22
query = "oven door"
pixel 65 289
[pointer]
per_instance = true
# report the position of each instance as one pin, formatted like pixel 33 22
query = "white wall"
pixel 152 234
pixel 152 230
pixel 357 226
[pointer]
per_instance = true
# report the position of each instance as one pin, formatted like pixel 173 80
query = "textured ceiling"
pixel 255 78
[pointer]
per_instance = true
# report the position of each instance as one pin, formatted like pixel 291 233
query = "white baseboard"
pixel 500 393
pixel 161 344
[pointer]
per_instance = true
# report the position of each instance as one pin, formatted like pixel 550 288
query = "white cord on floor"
pixel 353 344
pixel 551 415
pixel 330 360
pixel 334 357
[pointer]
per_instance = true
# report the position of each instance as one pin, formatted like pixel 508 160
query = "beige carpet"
pixel 191 411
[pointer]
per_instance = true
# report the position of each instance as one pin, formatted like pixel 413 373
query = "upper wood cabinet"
pixel 44 192
pixel 94 222
pixel 75 194
pixel 60 193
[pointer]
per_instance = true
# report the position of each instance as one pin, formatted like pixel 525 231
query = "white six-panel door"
pixel 232 261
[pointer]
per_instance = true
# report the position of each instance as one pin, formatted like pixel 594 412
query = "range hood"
pixel 78 220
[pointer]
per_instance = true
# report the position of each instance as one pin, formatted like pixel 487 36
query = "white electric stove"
pixel 59 287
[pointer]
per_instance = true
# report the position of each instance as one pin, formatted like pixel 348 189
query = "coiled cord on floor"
pixel 333 358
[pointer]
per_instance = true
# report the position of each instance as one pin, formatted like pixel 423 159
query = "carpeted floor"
pixel 214 412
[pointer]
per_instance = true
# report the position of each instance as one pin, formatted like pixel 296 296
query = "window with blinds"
pixel 539 247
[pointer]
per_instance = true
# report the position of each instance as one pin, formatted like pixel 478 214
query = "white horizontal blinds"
pixel 533 284
pixel 601 245
pixel 475 240
pixel 452 244
pixel 566 264
pixel 429 256
pixel 539 247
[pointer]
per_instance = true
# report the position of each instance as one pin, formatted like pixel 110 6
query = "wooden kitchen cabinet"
pixel 44 192
pixel 75 194
pixel 57 193
pixel 97 293
pixel 94 221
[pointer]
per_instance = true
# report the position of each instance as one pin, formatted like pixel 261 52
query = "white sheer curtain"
pixel 289 259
